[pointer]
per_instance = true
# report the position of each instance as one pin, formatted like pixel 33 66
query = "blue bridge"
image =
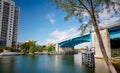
pixel 113 32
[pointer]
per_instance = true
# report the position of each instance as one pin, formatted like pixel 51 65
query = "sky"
pixel 39 20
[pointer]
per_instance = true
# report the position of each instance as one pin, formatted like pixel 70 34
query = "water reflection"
pixel 49 64
pixel 71 64
pixel 82 67
pixel 64 64
pixel 7 65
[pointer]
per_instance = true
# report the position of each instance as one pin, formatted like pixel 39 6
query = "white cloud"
pixel 52 21
pixel 53 41
pixel 51 18
pixel 58 36
pixel 105 14
pixel 109 21
pixel 85 14
pixel 108 18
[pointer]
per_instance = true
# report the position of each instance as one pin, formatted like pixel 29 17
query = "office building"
pixel 9 16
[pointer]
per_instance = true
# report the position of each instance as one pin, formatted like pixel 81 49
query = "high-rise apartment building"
pixel 9 14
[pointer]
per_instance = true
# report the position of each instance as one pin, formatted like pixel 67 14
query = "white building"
pixel 9 13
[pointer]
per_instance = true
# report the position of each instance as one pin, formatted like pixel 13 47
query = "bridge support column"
pixel 106 40
pixel 57 48
pixel 64 50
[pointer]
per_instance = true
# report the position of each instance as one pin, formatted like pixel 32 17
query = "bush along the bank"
pixel 50 48
pixel 5 48
pixel 29 47
pixel 1 48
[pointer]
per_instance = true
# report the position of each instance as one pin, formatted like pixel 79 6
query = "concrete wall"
pixel 64 49
pixel 106 41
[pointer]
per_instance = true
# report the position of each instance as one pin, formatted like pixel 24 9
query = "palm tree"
pixel 77 8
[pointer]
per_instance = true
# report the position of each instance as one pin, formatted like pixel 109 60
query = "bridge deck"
pixel 114 32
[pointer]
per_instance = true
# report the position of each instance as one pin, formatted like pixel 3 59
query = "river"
pixel 49 64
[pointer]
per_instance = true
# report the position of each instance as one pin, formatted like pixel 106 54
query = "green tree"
pixel 50 48
pixel 25 47
pixel 43 47
pixel 33 47
pixel 5 48
pixel 30 47
pixel 1 49
pixel 8 48
pixel 77 8
pixel 40 48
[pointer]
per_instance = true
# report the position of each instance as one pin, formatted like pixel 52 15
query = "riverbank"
pixel 115 60
pixel 9 53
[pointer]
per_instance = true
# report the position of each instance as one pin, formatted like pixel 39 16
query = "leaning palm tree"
pixel 78 8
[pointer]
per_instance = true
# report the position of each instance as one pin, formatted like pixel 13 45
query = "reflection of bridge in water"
pixel 108 33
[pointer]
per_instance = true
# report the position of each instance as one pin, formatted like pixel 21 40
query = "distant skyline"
pixel 42 22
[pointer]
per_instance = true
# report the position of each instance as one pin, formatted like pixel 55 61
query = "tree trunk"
pixel 107 60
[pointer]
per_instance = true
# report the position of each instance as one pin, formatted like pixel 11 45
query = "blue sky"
pixel 40 21
pixel 39 18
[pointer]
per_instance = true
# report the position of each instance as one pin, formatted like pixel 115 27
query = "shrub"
pixel 115 53
pixel 1 48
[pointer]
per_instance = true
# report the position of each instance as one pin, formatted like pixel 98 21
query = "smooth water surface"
pixel 48 64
